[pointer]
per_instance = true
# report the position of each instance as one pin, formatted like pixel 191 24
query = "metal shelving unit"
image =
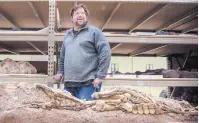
pixel 124 39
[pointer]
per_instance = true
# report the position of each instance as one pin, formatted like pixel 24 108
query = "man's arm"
pixel 104 54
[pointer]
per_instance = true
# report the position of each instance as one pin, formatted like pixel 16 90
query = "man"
pixel 84 57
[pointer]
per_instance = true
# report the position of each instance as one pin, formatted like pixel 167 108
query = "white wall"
pixel 125 63
pixel 133 64
pixel 140 63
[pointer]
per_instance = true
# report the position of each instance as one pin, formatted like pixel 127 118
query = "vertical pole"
pixel 170 63
pixel 57 56
pixel 51 39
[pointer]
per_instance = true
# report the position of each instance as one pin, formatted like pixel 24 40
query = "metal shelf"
pixel 25 78
pixel 112 38
pixel 164 82
pixel 160 82
pixel 135 1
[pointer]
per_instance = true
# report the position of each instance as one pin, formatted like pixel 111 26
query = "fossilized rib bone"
pixel 55 93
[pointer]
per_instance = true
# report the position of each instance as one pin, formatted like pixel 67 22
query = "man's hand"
pixel 58 77
pixel 96 82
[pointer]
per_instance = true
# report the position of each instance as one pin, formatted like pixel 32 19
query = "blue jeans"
pixel 83 92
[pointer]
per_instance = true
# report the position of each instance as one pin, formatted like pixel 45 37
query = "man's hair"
pixel 77 7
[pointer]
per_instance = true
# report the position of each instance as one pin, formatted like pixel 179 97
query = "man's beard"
pixel 81 25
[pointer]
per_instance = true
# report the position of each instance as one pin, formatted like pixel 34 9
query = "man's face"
pixel 79 17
